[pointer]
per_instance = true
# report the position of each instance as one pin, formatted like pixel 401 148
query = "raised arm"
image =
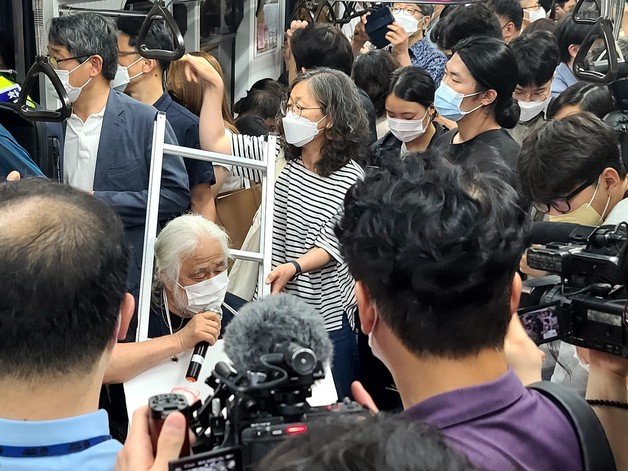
pixel 211 127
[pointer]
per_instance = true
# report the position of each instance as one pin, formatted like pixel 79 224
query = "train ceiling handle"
pixel 41 66
pixel 582 68
pixel 160 13
pixel 582 19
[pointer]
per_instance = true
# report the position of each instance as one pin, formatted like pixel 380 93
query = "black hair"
pixel 158 37
pixel 567 33
pixel 413 84
pixel 561 155
pixel 493 66
pixel 537 58
pixel 270 85
pixel 252 125
pixel 464 22
pixel 375 443
pixel 371 72
pixel 321 45
pixel 64 268
pixel 259 102
pixel 510 10
pixel 437 30
pixel 87 34
pixel 542 24
pixel 436 246
pixel 426 9
pixel 596 99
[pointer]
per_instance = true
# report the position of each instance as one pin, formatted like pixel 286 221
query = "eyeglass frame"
pixel 522 97
pixel 409 11
pixel 284 107
pixel 539 206
pixel 50 59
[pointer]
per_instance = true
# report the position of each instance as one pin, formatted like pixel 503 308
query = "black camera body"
pixel 584 303
pixel 251 412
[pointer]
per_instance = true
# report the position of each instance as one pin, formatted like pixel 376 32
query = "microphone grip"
pixel 196 362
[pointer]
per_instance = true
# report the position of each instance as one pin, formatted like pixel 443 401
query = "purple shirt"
pixel 503 426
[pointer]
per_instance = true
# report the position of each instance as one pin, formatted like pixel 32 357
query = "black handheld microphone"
pixel 200 350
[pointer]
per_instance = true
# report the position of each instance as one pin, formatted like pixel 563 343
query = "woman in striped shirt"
pixel 324 129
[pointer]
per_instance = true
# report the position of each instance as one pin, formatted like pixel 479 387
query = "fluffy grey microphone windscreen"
pixel 262 324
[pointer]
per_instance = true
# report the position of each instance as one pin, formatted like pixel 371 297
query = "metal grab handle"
pixel 41 66
pixel 583 72
pixel 160 12
pixel 575 14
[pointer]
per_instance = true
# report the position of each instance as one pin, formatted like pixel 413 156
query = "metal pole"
pixel 150 232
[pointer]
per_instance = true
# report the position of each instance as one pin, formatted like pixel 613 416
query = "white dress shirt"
pixel 81 150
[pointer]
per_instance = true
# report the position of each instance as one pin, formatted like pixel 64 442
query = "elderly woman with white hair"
pixel 191 255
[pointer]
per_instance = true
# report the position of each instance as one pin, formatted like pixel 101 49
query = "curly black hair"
pixel 437 247
pixel 348 136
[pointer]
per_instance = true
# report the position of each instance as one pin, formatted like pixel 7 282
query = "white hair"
pixel 178 241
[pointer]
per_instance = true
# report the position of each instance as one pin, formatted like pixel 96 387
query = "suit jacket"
pixel 122 169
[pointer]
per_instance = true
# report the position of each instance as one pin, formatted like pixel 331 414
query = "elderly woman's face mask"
pixel 203 279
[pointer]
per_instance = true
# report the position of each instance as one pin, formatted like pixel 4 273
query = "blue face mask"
pixel 447 102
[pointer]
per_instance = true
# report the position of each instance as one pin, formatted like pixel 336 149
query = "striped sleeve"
pixel 249 147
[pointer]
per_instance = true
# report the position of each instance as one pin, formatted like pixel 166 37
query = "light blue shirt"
pixel 563 78
pixel 54 432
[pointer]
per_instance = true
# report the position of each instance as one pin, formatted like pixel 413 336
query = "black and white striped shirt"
pixel 307 206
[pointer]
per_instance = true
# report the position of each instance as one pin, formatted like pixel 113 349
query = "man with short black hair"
pixel 63 307
pixel 434 249
pixel 570 36
pixel 143 79
pixel 313 46
pixel 510 16
pixel 464 22
pixel 572 171
pixel 537 58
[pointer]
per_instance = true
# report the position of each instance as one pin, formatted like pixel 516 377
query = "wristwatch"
pixel 297 267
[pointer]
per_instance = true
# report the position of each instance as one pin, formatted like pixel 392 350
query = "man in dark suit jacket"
pixel 108 138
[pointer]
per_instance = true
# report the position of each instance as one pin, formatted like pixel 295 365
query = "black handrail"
pixel 159 12
pixel 603 29
pixel 41 66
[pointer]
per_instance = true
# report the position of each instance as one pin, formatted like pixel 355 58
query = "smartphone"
pixel 542 323
pixel 377 26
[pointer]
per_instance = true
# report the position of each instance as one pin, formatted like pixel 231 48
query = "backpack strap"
pixel 595 450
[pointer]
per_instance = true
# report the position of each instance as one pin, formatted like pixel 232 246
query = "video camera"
pixel 250 412
pixel 584 302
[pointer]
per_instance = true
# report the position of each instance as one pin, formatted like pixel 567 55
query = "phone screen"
pixel 542 324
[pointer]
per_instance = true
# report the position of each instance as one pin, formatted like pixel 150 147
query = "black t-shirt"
pixel 389 147
pixel 492 151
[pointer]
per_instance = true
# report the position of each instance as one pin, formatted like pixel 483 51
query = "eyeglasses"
pixel 536 96
pixel 127 53
pixel 409 11
pixel 295 108
pixel 562 203
pixel 54 62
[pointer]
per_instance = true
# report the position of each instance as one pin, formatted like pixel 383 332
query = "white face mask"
pixel 408 22
pixel 122 79
pixel 208 295
pixel 537 14
pixel 407 130
pixel 72 91
pixel 299 131
pixel 531 109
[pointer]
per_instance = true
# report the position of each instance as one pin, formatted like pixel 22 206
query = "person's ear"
pixel 612 180
pixel 573 50
pixel 426 22
pixel 509 30
pixel 127 309
pixel 488 97
pixel 366 308
pixel 96 62
pixel 148 65
pixel 515 293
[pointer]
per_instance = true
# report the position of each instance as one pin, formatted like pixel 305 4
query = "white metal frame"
pixel 161 149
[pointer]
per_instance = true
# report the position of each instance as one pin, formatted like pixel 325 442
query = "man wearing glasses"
pixel 108 137
pixel 572 171
pixel 537 57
